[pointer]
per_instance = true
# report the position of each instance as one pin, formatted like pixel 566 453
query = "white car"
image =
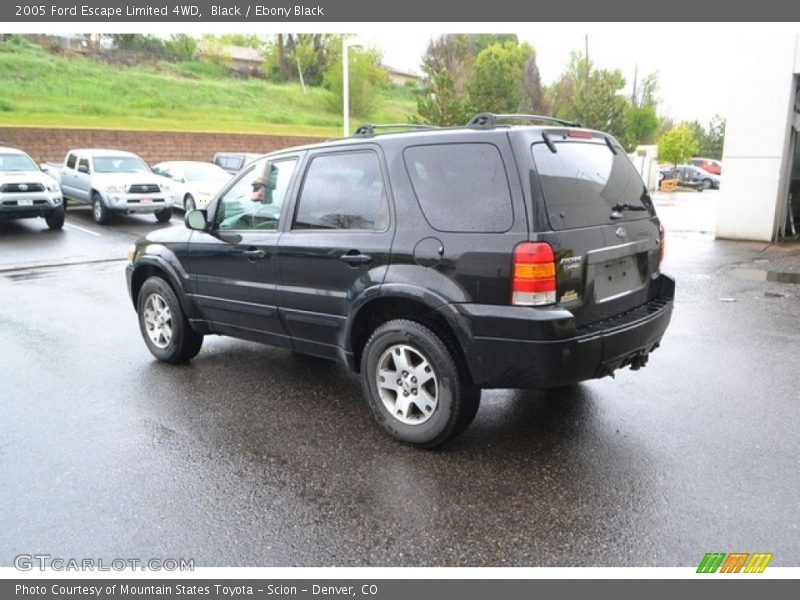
pixel 194 183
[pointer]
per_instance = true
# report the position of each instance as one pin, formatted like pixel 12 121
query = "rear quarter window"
pixel 583 182
pixel 461 187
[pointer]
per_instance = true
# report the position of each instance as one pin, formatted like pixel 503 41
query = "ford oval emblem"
pixel 621 232
pixel 23 187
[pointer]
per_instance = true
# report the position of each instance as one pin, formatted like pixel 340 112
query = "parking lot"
pixel 251 456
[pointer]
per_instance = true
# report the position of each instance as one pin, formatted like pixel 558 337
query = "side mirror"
pixel 197 220
pixel 83 169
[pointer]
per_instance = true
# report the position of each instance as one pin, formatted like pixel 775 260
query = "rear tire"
pixel 55 220
pixel 164 215
pixel 163 325
pixel 100 213
pixel 413 385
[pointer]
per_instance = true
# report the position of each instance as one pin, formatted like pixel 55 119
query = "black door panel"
pixel 337 246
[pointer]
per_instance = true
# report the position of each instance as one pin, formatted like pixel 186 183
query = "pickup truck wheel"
pixel 55 220
pixel 164 215
pixel 188 203
pixel 413 385
pixel 99 211
pixel 164 327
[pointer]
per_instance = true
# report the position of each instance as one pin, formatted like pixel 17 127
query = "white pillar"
pixel 756 161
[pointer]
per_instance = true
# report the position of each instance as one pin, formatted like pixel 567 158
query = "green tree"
pixel 496 82
pixel 714 139
pixel 640 126
pixel 182 46
pixel 366 77
pixel 311 53
pixel 138 42
pixel 455 54
pixel 534 99
pixel 678 145
pixel 246 40
pixel 590 96
pixel 439 104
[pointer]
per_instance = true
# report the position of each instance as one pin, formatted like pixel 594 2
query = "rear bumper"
pixel 555 352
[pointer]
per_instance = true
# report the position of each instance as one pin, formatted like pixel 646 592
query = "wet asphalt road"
pixel 257 457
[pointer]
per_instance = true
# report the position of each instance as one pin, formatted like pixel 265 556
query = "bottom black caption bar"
pixel 381 589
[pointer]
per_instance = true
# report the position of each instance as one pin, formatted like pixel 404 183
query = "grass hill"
pixel 38 88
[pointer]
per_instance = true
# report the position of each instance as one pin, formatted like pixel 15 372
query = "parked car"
pixel 707 164
pixel 26 192
pixel 434 262
pixel 692 177
pixel 233 162
pixel 194 182
pixel 113 182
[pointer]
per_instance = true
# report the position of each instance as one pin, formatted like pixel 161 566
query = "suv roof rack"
pixel 487 120
pixel 368 129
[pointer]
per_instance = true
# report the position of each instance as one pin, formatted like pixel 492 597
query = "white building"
pixel 760 153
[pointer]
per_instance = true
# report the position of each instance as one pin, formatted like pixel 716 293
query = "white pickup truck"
pixel 112 181
pixel 26 192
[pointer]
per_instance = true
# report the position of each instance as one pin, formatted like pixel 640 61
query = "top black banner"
pixel 342 11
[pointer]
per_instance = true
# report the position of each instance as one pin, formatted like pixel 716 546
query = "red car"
pixel 709 164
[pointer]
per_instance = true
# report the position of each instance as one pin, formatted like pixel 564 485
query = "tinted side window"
pixel 583 182
pixel 84 162
pixel 71 160
pixel 461 187
pixel 343 191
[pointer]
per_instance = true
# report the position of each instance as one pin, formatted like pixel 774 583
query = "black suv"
pixel 434 262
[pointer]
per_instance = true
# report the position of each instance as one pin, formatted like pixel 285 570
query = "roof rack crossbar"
pixel 368 129
pixel 486 120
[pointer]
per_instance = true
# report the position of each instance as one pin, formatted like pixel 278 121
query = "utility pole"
pixel 586 50
pixel 635 76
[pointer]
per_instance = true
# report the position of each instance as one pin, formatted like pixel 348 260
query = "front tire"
pixel 55 220
pixel 413 385
pixel 707 184
pixel 100 213
pixel 164 215
pixel 164 327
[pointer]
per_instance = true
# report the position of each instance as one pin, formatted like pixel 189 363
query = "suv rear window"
pixel 582 183
pixel 461 187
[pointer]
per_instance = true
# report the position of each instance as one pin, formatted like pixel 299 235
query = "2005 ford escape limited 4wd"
pixel 433 262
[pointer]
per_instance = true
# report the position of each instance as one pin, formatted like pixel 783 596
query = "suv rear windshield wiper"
pixel 625 206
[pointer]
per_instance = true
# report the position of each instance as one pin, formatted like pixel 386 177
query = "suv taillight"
pixel 533 282
pixel 661 242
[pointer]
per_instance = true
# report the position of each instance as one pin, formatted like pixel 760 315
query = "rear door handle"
pixel 254 254
pixel 354 257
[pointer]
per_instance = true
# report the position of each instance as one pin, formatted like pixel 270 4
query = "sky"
pixel 695 72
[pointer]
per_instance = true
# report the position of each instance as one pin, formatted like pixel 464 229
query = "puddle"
pixel 760 275
pixel 27 275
